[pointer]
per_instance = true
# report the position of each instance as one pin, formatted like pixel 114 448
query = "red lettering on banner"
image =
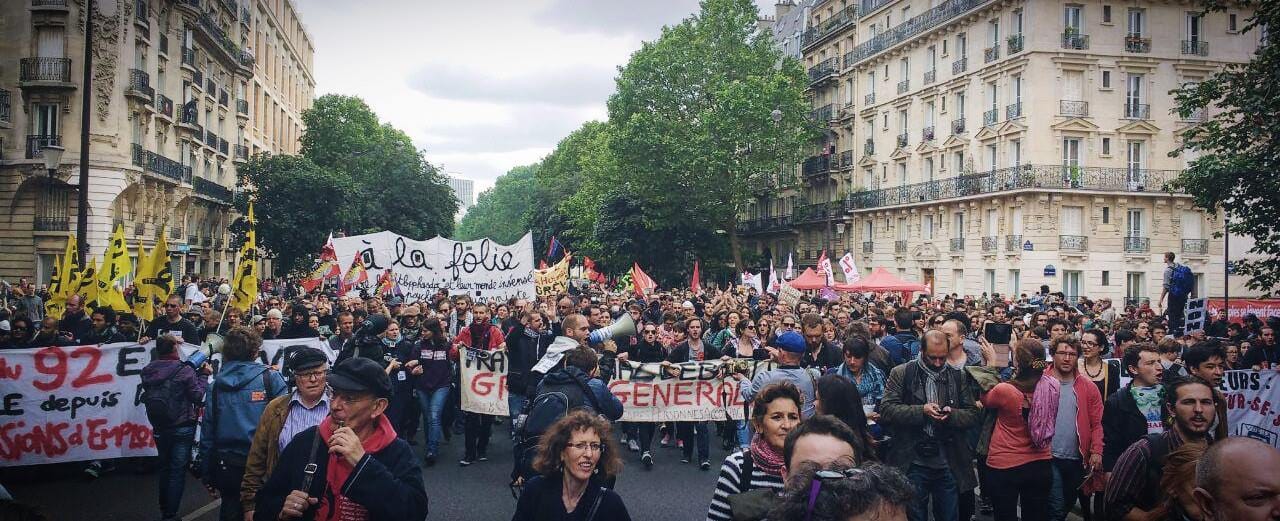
pixel 661 395
pixel 482 384
pixel 706 393
pixel 41 439
pixel 86 376
pixel 56 439
pixel 682 390
pixel 9 373
pixel 128 434
pixel 642 394
pixel 730 390
pixel 58 371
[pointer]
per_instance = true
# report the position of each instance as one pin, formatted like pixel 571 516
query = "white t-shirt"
pixel 193 294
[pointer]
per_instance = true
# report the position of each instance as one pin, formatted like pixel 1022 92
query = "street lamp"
pixel 52 155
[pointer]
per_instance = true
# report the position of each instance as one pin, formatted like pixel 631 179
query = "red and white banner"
pixel 1240 307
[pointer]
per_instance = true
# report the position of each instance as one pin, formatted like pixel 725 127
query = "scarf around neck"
pixel 1044 409
pixel 333 503
pixel 766 458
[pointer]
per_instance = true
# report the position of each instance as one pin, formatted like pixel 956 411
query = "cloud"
pixel 524 127
pixel 642 18
pixel 569 86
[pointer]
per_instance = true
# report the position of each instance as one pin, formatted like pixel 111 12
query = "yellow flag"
pixel 70 269
pixel 161 281
pixel 87 286
pixel 115 262
pixel 141 299
pixel 245 286
pixel 57 301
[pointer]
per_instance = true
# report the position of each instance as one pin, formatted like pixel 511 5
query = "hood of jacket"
pixel 235 374
pixel 567 375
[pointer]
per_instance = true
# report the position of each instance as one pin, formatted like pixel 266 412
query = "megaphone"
pixel 624 326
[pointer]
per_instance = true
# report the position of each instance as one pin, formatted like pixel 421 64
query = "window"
pixel 962 45
pixel 1017 89
pixel 1134 162
pixel 902 174
pixel 1072 18
pixel 993 96
pixel 868 230
pixel 932 58
pixel 1071 151
pixel 1072 284
pixel 1106 14
pixel 993 222
pixel 1015 221
pixel 993 33
pixel 1134 226
pixel 1106 146
pixel 989 281
pixel 1135 287
pixel 871 83
pixel 904 69
pixel 1014 282
pixel 1072 220
pixel 928 169
pixel 929 118
pixel 944 47
pixel 1192 225
pixel 991 157
pixel 50 42
pixel 1106 79
pixel 1017 21
pixel 1073 86
pixel 1231 23
pixel 926 229
pixel 1133 90
pixel 958 276
pixel 902 228
pixel 960 104
pixel 903 124
pixel 957 225
pixel 1106 278
pixel 1015 152
pixel 1195 26
pixel 1137 22
pixel 45 122
pixel 1106 215
pixel 957 162
pixel 885 122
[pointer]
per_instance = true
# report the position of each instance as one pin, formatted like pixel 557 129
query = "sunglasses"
pixel 650 331
pixel 815 485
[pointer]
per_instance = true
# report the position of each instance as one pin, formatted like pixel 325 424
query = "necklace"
pixel 1101 368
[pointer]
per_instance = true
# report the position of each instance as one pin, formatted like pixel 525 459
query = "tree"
pixel 1238 157
pixel 395 188
pixel 569 185
pixel 296 203
pixel 694 133
pixel 499 212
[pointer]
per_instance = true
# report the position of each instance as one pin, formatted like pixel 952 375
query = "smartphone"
pixel 998 333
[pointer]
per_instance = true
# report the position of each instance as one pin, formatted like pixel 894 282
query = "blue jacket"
pixel 902 346
pixel 241 396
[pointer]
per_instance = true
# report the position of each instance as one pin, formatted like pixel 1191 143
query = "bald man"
pixel 1238 479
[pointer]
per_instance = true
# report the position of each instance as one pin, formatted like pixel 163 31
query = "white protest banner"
pixel 849 268
pixel 692 391
pixel 1252 398
pixel 78 403
pixel 789 295
pixel 482 268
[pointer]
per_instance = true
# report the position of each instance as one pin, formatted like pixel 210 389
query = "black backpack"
pixel 165 400
pixel 551 402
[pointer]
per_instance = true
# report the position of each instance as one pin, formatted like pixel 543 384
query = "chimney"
pixel 781 8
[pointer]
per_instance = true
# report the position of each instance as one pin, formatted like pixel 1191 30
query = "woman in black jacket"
pixel 575 456
pixel 647 351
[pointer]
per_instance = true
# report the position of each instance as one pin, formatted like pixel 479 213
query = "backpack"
pixel 1181 281
pixel 551 402
pixel 165 400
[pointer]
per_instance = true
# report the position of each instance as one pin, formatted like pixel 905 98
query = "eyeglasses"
pixel 310 375
pixel 788 324
pixel 347 398
pixel 586 447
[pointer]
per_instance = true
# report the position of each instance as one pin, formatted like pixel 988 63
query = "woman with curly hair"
pixel 575 456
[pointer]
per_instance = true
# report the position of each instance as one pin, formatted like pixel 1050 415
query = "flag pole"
pixel 227 305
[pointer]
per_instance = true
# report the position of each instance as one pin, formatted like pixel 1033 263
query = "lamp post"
pixel 82 195
pixel 776 115
pixel 52 155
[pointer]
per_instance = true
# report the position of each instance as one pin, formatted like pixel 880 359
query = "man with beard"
pixel 481 335
pixel 409 328
pixel 104 329
pixel 74 321
pixel 1133 489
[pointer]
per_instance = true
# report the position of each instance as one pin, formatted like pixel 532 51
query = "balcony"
pixel 899 247
pixel 1137 44
pixel 139 86
pixel 139 229
pixel 217 36
pixel 926 134
pixel 1013 111
pixel 902 140
pixel 930 76
pixel 162 46
pixel 1195 47
pixel 990 244
pixel 1015 44
pixel 36 72
pixel 1013 243
pixel 1073 243
pixel 189 58
pixel 960 65
pixel 164 106
pixel 909 29
pixel 1137 111
pixel 846 159
pixel 1025 177
pixel 5 110
pixel 1195 246
pixel 211 190
pixel 242 107
pixel 210 139
pixel 175 233
pixel 1075 41
pixel 816 166
pixel 223 146
pixel 224 98
pixel 868 247
pixel 38 4
pixel 990 117
pixel 51 224
pixel 192 240
pixel 869 99
pixel 242 152
pixel 161 165
pixel 991 54
pixel 904 86
pixel 1195 116
pixel 815 212
pixel 824 70
pixel 762 225
pixel 1073 108
pixel 957 126
pixel 36 143
pixel 829 28
pixel 957 244
pixel 824 114
pixel 190 117
pixel 210 87
pixel 869 146
pixel 1137 244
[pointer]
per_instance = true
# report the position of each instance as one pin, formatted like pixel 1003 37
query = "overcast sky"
pixel 483 86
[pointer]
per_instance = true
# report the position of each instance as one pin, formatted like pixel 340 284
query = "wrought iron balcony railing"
pixel 160 165
pixel 1195 47
pixel 1137 244
pixel 869 99
pixel 51 224
pixel 825 69
pixel 38 70
pixel 164 105
pixel 1024 177
pixel 990 117
pixel 817 165
pixel 140 84
pixel 139 229
pixel 815 212
pixel 175 233
pixel 224 99
pixel 902 140
pixel 1137 111
pixel 6 115
pixel 1076 243
pixel 957 126
pixel 1013 243
pixel 1137 44
pixel 991 54
pixel 765 225
pixel 211 189
pixel 210 139
pixel 829 27
pixel 990 243
pixel 822 115
pixel 846 159
pixel 1073 108
pixel 926 133
pixel 37 142
pixel 930 76
pixel 223 146
pixel 242 152
pixel 908 29
pixel 904 86
pixel 957 244
pixel 242 106
pixel 189 58
pixel 1195 246
pixel 1013 110
pixel 190 114
pixel 1015 44
pixel 1075 41
pixel 960 65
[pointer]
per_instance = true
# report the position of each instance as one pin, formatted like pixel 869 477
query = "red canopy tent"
pixel 809 279
pixel 881 280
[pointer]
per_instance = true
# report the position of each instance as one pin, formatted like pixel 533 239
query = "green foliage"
pixel 355 174
pixel 291 226
pixel 1238 157
pixel 499 211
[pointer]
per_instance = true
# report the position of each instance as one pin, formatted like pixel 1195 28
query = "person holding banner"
pixel 174 436
pixel 171 323
pixel 484 336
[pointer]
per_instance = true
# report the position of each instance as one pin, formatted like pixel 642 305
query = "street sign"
pixel 1026 246
pixel 1050 271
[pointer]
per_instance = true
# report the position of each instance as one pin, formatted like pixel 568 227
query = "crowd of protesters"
pixel 875 406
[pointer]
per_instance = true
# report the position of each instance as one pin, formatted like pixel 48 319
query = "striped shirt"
pixel 299 418
pixel 728 485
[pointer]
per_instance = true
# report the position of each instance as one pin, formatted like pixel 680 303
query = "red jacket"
pixel 496 339
pixel 1088 417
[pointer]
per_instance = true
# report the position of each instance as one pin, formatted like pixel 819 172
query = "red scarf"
pixel 340 507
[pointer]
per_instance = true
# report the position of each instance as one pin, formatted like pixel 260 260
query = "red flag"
pixel 354 276
pixel 325 270
pixel 696 284
pixel 641 281
pixel 386 282
pixel 592 274
pixel 328 253
pixel 542 265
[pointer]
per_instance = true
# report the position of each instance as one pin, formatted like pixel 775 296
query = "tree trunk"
pixel 736 247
